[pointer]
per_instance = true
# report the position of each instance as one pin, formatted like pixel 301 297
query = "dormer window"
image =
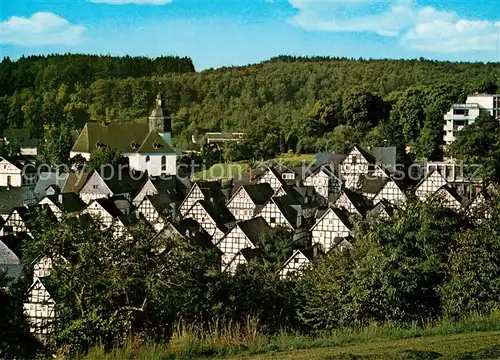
pixel 99 144
pixel 288 176
pixel 134 145
pixel 147 158
pixel 156 145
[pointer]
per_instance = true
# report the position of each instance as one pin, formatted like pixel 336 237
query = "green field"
pixel 227 171
pixel 457 347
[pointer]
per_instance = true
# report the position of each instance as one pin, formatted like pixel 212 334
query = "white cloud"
pixel 137 2
pixel 420 28
pixel 378 16
pixel 458 36
pixel 42 28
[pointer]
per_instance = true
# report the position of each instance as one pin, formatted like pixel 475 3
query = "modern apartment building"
pixel 462 115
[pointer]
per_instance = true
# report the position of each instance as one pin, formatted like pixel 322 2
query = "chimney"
pixel 315 251
pixel 60 198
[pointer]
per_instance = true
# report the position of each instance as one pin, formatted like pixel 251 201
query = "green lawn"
pixel 227 171
pixel 469 346
pixel 222 171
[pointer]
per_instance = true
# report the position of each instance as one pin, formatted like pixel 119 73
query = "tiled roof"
pixel 126 138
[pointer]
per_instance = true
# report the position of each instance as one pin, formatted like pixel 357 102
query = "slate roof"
pixel 381 206
pixel 14 243
pixel 7 256
pixel 310 253
pixel 70 203
pixel 172 188
pixel 124 181
pixel 384 155
pixel 288 206
pixel 110 206
pixel 49 179
pixel 126 138
pixel 75 181
pixel 13 197
pixel 371 185
pixel 259 193
pixel 369 157
pixel 358 200
pixel 211 189
pixel 252 254
pixel 254 229
pixel 223 218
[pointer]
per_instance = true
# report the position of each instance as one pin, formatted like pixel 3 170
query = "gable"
pixel 391 192
pixel 8 168
pixel 96 185
pixel 241 196
pixel 432 183
pixel 344 202
pixel 7 256
pixel 329 222
pixel 194 195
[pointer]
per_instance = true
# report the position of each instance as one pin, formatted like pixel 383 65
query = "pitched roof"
pixel 211 189
pixel 288 206
pixel 358 200
pixel 252 254
pixel 68 202
pixel 126 138
pixel 170 186
pixel 121 181
pixel 7 255
pixel 384 155
pixel 15 244
pixel 311 252
pixel 254 229
pixel 381 206
pixel 219 213
pixel 75 181
pixel 259 193
pixel 371 185
pixel 369 157
pixel 109 205
pixel 13 197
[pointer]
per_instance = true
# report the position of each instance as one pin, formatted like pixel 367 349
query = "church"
pixel 148 147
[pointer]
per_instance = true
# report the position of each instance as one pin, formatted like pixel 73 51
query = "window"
pixel 147 158
pixel 296 260
pixel 9 180
pixel 288 176
pixel 203 219
pixel 273 220
pixel 354 160
pixel 163 163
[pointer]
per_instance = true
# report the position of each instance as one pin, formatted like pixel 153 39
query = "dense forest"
pixel 301 104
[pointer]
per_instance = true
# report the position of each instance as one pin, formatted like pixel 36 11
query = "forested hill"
pixel 298 100
pixel 53 70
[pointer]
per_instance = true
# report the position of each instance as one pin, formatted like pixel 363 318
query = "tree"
pixel 361 108
pixel 474 281
pixel 104 156
pixel 429 142
pixel 57 145
pixel 478 145
pixel 409 112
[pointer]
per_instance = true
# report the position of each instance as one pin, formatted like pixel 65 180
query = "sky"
pixel 217 33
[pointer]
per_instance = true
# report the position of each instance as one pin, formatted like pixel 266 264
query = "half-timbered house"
pixel 214 217
pixel 245 234
pixel 331 225
pixel 154 209
pixel 110 182
pixel 104 211
pixel 248 199
pixel 10 257
pixel 171 188
pixel 353 202
pixel 244 257
pixel 429 185
pixel 299 260
pixel 207 190
pixel 359 162
pixel 40 308
pixel 67 203
pixel 325 183
pixel 383 209
pixel 449 197
pixel 392 191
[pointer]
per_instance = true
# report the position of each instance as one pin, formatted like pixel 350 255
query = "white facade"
pixel 152 216
pixel 328 228
pixel 241 205
pixel 274 217
pixel 198 213
pixel 40 309
pixel 297 262
pixel 154 164
pixel 232 243
pixel 462 115
pixel 429 185
pixel 391 192
pixel 10 264
pixel 10 175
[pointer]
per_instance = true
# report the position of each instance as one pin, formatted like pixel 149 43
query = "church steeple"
pixel 160 120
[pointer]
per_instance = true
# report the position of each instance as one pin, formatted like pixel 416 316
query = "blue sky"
pixel 218 33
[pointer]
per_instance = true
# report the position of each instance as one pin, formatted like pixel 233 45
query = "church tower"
pixel 160 121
